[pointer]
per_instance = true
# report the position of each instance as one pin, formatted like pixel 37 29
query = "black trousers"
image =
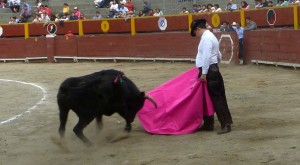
pixel 216 91
pixel 241 48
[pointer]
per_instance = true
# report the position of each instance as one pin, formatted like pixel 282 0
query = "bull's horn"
pixel 151 99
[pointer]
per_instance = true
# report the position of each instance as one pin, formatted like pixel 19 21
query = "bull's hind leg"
pixel 63 116
pixel 78 130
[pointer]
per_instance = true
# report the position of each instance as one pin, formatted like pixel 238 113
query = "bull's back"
pixel 87 86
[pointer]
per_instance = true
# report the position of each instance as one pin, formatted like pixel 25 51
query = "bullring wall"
pixel 143 37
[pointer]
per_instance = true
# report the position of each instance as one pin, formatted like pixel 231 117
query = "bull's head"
pixel 137 104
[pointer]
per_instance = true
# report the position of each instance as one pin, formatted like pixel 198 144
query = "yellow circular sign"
pixel 215 20
pixel 104 26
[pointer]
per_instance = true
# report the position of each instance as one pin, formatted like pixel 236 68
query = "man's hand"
pixel 203 77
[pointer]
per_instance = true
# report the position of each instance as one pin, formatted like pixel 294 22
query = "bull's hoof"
pixel 88 144
pixel 128 128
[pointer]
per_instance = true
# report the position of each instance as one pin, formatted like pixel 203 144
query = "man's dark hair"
pixel 198 23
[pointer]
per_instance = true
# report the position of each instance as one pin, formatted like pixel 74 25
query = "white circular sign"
pixel 1 31
pixel 162 23
pixel 51 28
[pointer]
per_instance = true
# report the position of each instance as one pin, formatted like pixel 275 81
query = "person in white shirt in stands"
pixel 122 2
pixel 98 15
pixel 113 9
pixel 123 9
pixel 158 12
pixel 207 60
pixel 231 6
pixel 217 8
pixel 282 3
pixel 294 2
pixel 184 11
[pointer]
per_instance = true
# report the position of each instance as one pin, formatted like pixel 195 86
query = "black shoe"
pixel 225 129
pixel 206 127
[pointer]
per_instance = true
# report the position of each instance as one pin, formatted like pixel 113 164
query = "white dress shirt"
pixel 208 51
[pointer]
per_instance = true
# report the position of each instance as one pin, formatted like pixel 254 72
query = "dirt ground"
pixel 264 102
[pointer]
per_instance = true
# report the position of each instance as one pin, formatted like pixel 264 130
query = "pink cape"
pixel 181 104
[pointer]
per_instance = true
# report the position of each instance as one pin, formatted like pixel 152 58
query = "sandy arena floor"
pixel 264 102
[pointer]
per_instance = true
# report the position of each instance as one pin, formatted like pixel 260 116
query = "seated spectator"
pixel 210 7
pixel 184 11
pixel 104 3
pixel 141 13
pixel 217 8
pixel 195 8
pixel 113 9
pixel 270 4
pixel 73 16
pixel 82 17
pixel 24 3
pixel 146 7
pixel 77 12
pixel 129 4
pixel 13 20
pixel 282 3
pixel 122 2
pixel 244 5
pixel 151 13
pixel 97 2
pixel 65 9
pixel 2 4
pixel 25 14
pixel 37 18
pixel 48 10
pixel 41 9
pixel 250 25
pixel 294 2
pixel 123 9
pixel 44 17
pixel 231 6
pixel 14 5
pixel 260 4
pixel 120 14
pixel 203 9
pixel 225 27
pixel 158 12
pixel 98 15
pixel 64 18
pixel 39 3
pixel 130 15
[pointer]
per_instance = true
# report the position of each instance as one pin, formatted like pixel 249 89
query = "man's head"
pixel 225 24
pixel 196 25
pixel 248 20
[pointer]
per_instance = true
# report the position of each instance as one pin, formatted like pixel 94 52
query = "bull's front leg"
pixel 99 122
pixel 128 122
pixel 128 126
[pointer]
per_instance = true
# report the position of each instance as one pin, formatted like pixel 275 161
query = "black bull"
pixel 101 93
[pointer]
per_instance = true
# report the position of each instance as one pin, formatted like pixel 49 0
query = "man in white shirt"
pixel 231 6
pixel 207 60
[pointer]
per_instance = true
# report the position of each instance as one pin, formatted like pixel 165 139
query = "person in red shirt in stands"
pixel 48 10
pixel 129 5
